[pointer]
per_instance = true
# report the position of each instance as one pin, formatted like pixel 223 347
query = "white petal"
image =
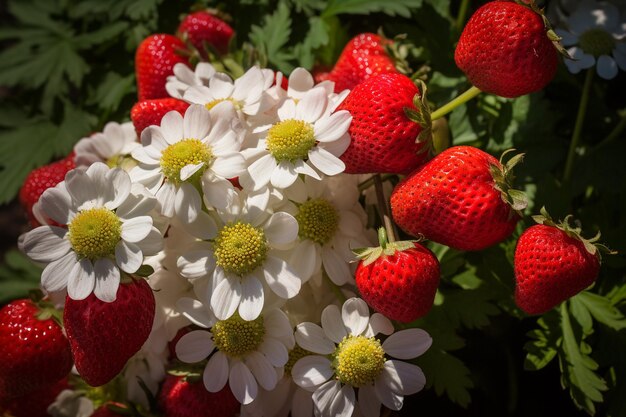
pixel 311 337
pixel 287 110
pixel 355 315
pixel 80 187
pixel 249 86
pixel 218 193
pixel 343 403
pixel 166 197
pixel 172 127
pixel 620 58
pixel 137 204
pixel 81 280
pixel 567 38
pixel 379 324
pixel 226 297
pixel 128 256
pixel 229 165
pixel 195 312
pixel 252 298
pixel 389 399
pixel 152 243
pixel 335 266
pixel 54 276
pixel 302 403
pixel 302 167
pixel 196 264
pixel 407 344
pixel 197 122
pixel 311 371
pixel 401 377
pixel 242 383
pixel 262 370
pixel 216 372
pixel 326 162
pixel 323 398
pixel 56 203
pixel 284 175
pixel 136 229
pixel 303 259
pixel 369 404
pixel 221 85
pixel 188 203
pixel 277 326
pixel 203 227
pixel 280 278
pixel 120 184
pixel 153 141
pixel 337 147
pixel 194 346
pixel 275 352
pixel 332 324
pixel 281 229
pixel 312 105
pixel 607 67
pixel 331 128
pixel 46 243
pixel 188 170
pixel 261 171
pixel 107 277
pixel 300 81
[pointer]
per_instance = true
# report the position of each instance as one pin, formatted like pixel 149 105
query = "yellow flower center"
pixel 237 337
pixel 183 153
pixel 290 140
pixel 597 42
pixel 240 248
pixel 295 355
pixel 217 101
pixel 318 220
pixel 94 233
pixel 358 360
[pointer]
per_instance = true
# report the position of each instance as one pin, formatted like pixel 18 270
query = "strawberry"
pixel 39 180
pixel 203 27
pixel 34 352
pixel 383 138
pixel 103 336
pixel 154 61
pixel 179 398
pixel 398 279
pixel 461 198
pixel 552 263
pixel 362 58
pixel 150 112
pixel 505 50
pixel 35 403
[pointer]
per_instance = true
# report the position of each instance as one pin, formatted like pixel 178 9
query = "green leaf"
pixel 601 309
pixel 542 349
pixel 316 37
pixel 272 37
pixel 446 374
pixel 470 308
pixel 18 275
pixel 112 91
pixel 100 36
pixel 461 127
pixel 392 8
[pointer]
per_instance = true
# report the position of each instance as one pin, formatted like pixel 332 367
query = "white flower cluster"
pixel 242 209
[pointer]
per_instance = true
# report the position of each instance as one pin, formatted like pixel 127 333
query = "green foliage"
pixel 18 275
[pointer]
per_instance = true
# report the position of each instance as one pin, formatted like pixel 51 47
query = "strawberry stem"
pixel 460 18
pixel 578 127
pixel 383 209
pixel 463 98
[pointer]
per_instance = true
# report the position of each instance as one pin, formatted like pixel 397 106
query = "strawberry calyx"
pixel 550 33
pixel 386 248
pixel 45 309
pixel 573 228
pixel 502 174
pixel 422 117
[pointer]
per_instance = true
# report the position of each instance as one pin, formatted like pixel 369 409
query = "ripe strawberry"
pixel 39 180
pixel 203 27
pixel 398 279
pixel 505 50
pixel 34 352
pixel 552 263
pixel 461 198
pixel 362 58
pixel 154 61
pixel 103 336
pixel 150 112
pixel 35 403
pixel 179 398
pixel 383 138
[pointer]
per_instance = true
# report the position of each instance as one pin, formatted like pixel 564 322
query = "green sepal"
pixel 144 271
pixel 421 116
pixel 502 174
pixel 550 33
pixel 386 248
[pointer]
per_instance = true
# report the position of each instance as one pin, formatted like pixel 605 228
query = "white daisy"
pixel 349 356
pixel 243 257
pixel 112 146
pixel 184 78
pixel 106 228
pixel 71 403
pixel 595 36
pixel 246 354
pixel 185 154
pixel 307 136
pixel 299 82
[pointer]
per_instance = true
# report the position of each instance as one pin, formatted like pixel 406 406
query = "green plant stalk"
pixel 614 134
pixel 578 127
pixel 383 209
pixel 462 99
pixel 460 18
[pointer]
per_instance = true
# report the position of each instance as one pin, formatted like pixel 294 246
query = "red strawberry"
pixel 398 279
pixel 103 336
pixel 34 352
pixel 154 61
pixel 179 398
pixel 505 50
pixel 150 112
pixel 203 27
pixel 35 403
pixel 552 263
pixel 458 199
pixel 363 57
pixel 39 180
pixel 383 138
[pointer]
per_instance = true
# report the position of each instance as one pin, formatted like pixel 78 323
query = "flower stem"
pixel 615 133
pixel 460 18
pixel 383 209
pixel 578 127
pixel 463 98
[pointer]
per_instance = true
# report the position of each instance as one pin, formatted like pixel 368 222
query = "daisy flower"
pixel 246 354
pixel 243 257
pixel 112 146
pixel 349 356
pixel 106 228
pixel 307 136
pixel 71 403
pixel 184 78
pixel 182 155
pixel 595 36
pixel 299 82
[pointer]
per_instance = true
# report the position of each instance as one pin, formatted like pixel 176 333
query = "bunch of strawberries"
pixel 462 198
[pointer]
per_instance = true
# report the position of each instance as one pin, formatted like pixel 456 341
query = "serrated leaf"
pixel 273 36
pixel 392 8
pixel 601 309
pixel 543 346
pixel 471 308
pixel 461 127
pixel 112 91
pixel 446 374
